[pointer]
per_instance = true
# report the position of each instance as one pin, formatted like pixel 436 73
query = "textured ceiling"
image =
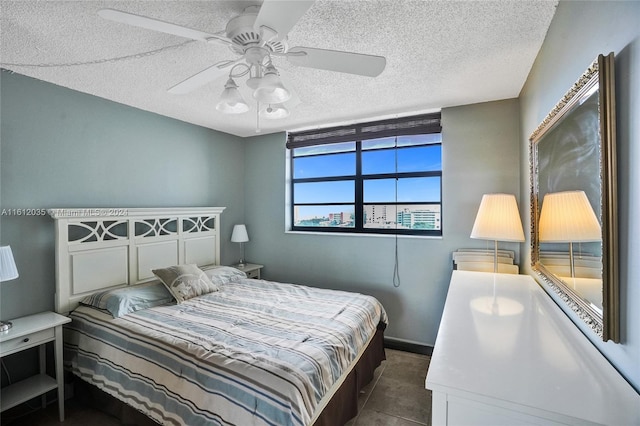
pixel 439 54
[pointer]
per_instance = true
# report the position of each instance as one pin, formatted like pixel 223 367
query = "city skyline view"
pixel 378 216
pixel 399 179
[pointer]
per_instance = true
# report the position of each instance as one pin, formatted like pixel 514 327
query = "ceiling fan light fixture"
pixel 254 82
pixel 231 100
pixel 274 112
pixel 255 76
pixel 271 90
pixel 272 96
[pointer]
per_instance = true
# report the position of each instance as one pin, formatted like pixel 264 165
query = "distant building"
pixel 378 214
pixel 418 219
pixel 341 218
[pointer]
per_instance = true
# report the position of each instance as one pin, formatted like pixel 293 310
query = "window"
pixel 382 177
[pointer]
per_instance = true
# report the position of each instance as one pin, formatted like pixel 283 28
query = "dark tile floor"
pixel 395 397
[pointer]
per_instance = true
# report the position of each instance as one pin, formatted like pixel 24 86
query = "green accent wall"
pixel 62 148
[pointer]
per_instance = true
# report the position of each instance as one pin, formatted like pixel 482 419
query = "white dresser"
pixel 507 355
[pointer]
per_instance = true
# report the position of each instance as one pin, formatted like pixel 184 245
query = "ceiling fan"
pixel 254 36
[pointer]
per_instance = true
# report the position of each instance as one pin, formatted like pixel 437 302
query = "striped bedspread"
pixel 254 353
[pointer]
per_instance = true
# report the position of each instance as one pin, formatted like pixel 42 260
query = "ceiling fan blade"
pixel 281 15
pixel 334 60
pixel 203 77
pixel 157 25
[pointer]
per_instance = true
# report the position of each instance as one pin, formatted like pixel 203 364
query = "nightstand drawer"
pixel 23 342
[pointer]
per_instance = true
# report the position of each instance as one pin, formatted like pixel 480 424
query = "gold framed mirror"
pixel 573 200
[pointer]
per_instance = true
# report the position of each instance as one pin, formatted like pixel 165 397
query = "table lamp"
pixel 8 271
pixel 498 219
pixel 239 235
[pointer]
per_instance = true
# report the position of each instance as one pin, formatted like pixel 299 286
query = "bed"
pixel 241 351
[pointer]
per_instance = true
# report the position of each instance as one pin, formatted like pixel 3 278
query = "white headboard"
pixel 101 248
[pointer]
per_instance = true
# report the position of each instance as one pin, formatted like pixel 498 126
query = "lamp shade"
pixel 8 270
pixel 498 219
pixel 239 234
pixel 568 217
pixel 231 101
pixel 274 112
pixel 271 90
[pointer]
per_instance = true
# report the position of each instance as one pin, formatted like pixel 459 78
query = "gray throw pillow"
pixel 185 281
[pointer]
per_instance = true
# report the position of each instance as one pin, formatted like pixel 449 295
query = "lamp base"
pixel 5 326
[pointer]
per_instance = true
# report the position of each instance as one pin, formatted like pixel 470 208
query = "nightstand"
pixel 28 332
pixel 251 269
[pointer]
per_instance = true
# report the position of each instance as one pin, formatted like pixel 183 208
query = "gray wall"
pixel 61 148
pixel 480 155
pixel 578 33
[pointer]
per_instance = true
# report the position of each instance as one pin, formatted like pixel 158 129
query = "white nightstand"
pixel 27 332
pixel 251 269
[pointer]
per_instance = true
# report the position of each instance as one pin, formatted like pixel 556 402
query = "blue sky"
pixel 413 159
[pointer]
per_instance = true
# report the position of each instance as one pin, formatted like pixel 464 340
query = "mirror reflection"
pixel 570 194
pixel 566 218
pixel 497 321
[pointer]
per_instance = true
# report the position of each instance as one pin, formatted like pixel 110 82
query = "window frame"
pixel 357 133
